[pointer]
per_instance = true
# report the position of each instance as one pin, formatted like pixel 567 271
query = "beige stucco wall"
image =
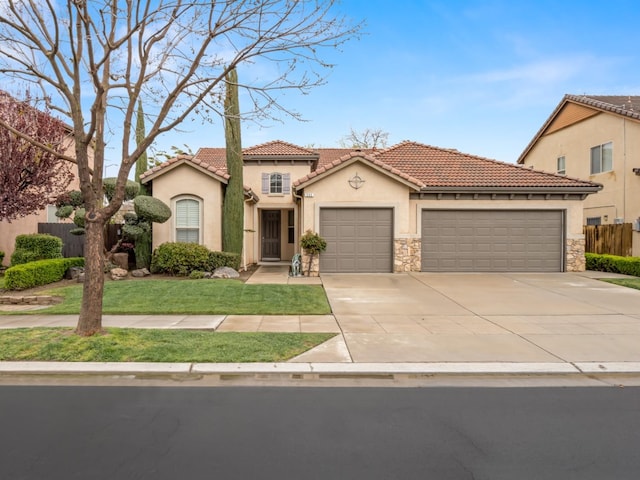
pixel 378 190
pixel 620 196
pixel 29 224
pixel 186 181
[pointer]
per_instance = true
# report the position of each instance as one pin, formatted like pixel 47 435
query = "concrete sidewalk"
pixel 419 323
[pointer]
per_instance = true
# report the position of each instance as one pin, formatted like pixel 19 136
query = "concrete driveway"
pixel 460 317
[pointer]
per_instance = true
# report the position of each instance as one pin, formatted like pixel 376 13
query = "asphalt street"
pixel 55 432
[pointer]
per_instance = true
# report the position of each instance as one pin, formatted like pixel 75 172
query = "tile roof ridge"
pixel 280 142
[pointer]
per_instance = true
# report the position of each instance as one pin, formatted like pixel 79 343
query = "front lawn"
pixel 625 282
pixel 141 345
pixel 205 297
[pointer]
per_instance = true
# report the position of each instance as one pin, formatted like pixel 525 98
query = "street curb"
pixel 346 369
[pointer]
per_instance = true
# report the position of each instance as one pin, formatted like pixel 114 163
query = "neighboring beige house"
pixel 411 207
pixel 29 224
pixel 595 138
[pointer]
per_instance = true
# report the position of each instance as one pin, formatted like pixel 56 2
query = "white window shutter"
pixel 265 183
pixel 286 183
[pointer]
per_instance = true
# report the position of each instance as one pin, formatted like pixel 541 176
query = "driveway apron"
pixel 456 317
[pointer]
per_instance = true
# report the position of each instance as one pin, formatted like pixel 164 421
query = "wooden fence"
pixel 611 239
pixel 73 245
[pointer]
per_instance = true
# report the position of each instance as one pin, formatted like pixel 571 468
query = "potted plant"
pixel 313 244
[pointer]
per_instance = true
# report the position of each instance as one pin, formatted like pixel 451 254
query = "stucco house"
pixel 9 230
pixel 595 138
pixel 410 207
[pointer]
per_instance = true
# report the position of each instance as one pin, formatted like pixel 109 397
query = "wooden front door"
pixel 271 235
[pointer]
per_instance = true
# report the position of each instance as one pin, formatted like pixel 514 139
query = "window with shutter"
pixel 187 220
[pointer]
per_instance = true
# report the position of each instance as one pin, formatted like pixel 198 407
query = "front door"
pixel 271 235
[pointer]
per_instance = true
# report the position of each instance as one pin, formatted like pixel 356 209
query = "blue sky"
pixel 477 76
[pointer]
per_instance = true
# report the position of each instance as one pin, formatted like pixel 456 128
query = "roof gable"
pixel 277 147
pixel 197 163
pixel 352 157
pixel 575 108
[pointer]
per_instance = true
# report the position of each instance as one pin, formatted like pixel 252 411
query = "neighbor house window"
pixel 276 183
pixel 594 220
pixel 187 220
pixel 560 166
pixel 51 214
pixel 602 158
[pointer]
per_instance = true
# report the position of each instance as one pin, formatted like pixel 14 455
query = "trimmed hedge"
pixel 40 272
pixel 613 264
pixel 36 246
pixel 180 259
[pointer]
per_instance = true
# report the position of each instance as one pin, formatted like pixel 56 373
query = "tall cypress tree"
pixel 143 243
pixel 233 209
pixel 142 165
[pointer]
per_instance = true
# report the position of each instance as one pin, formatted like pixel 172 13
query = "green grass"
pixel 221 297
pixel 140 345
pixel 625 282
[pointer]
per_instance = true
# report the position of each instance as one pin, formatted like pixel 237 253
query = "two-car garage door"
pixel 492 240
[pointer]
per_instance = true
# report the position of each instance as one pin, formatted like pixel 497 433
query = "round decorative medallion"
pixel 356 181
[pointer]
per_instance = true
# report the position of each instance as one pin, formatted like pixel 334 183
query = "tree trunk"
pixel 90 320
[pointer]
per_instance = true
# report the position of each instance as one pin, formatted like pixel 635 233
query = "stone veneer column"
pixel 574 256
pixel 407 255
pixel 315 265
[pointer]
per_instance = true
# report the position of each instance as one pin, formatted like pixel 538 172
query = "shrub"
pixel 40 272
pixel 613 264
pixel 224 259
pixel 312 242
pixel 196 275
pixel 37 246
pixel 131 188
pixel 1 256
pixel 151 209
pixel 179 258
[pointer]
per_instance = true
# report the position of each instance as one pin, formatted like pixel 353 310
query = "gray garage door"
pixel 358 240
pixel 492 241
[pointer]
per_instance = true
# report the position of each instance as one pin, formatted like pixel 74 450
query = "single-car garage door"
pixel 492 240
pixel 358 240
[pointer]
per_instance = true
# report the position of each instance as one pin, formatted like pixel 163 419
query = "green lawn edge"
pixel 153 345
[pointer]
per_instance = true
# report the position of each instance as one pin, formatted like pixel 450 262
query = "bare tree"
pixel 367 138
pixel 97 58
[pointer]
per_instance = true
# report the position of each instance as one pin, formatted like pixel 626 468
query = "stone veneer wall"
pixel 315 265
pixel 407 255
pixel 574 257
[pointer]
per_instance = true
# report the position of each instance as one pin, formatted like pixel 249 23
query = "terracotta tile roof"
pixel 439 167
pixel 422 166
pixel 277 147
pixel 626 105
pixel 367 158
pixel 210 167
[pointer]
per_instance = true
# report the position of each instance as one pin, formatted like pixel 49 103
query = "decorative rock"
pixel 121 259
pixel 73 272
pixel 225 272
pixel 81 278
pixel 119 274
pixel 141 272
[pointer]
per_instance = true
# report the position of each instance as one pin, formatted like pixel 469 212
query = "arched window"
pixel 275 183
pixel 187 220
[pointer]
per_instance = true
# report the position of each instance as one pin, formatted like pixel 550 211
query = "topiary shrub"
pixel 131 188
pixel 40 272
pixel 151 209
pixel 36 246
pixel 179 258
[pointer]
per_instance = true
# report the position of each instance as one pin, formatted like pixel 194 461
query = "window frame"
pixel 601 167
pixel 276 179
pixel 561 165
pixel 189 228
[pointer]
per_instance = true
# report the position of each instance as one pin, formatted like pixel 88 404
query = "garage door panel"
pixel 358 239
pixel 492 240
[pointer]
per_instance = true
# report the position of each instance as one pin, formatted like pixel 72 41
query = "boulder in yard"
pixel 119 274
pixel 140 272
pixel 225 272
